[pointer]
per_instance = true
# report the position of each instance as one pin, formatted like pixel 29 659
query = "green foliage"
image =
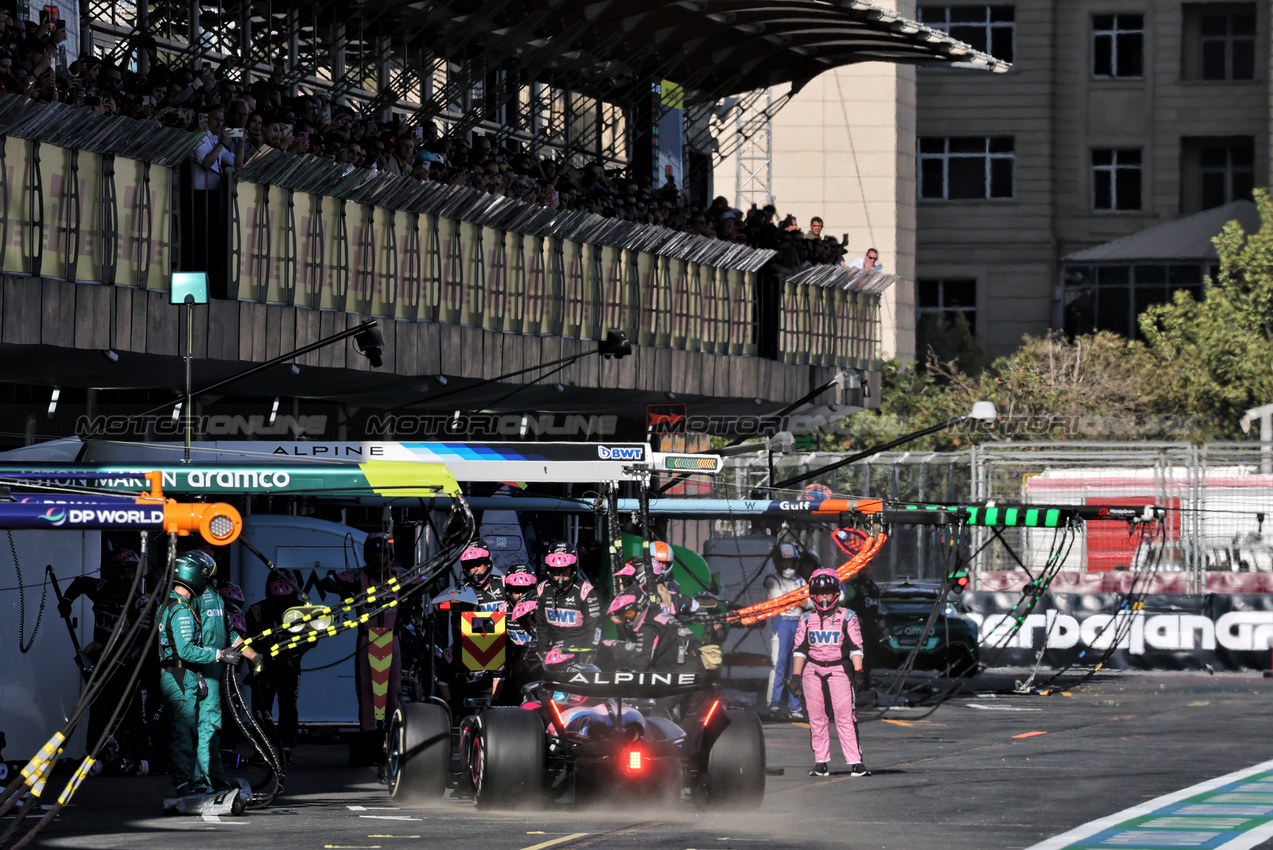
pixel 1215 357
pixel 1202 365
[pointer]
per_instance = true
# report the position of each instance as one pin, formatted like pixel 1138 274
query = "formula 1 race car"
pixel 582 734
pixel 950 644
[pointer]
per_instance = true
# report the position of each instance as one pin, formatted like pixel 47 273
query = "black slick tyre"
pixel 735 774
pixel 419 753
pixel 506 759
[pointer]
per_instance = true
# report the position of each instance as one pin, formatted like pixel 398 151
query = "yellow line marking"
pixel 553 841
pixel 899 722
pixel 801 725
pixel 393 836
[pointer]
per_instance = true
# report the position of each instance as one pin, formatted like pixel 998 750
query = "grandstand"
pixel 545 219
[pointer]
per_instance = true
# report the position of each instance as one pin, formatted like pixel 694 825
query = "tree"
pixel 1215 357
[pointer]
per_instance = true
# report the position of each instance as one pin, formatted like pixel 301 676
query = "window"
pixel 990 29
pixel 945 306
pixel 946 300
pixel 960 168
pixel 1219 41
pixel 1216 171
pixel 1111 297
pixel 1116 179
pixel 1118 46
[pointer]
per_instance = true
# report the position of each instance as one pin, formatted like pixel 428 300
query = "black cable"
pixel 102 673
pixel 22 602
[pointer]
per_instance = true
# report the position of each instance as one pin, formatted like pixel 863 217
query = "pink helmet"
pixel 232 593
pixel 824 582
pixel 280 587
pixel 630 572
pixel 561 563
pixel 121 565
pixel 520 576
pixel 236 621
pixel 474 557
pixel 630 607
pixel 660 558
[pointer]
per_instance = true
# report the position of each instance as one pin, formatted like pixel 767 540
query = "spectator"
pixel 815 228
pixel 868 263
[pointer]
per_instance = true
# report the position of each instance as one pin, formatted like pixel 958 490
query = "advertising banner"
pixel 1167 631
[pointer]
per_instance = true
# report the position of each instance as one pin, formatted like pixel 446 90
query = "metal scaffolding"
pixel 755 149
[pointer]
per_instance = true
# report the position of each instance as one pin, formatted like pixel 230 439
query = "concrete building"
pixel 1117 116
pixel 842 150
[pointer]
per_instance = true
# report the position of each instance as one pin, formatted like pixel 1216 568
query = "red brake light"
pixel 634 761
pixel 710 712
pixel 556 712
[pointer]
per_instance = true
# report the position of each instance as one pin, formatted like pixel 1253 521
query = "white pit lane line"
pixel 1243 802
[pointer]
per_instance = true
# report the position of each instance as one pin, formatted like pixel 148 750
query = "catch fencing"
pixel 1218 499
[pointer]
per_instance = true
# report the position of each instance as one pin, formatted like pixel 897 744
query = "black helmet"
pixel 377 549
pixel 193 570
pixel 561 563
pixel 824 583
pixel 121 565
pixel 475 560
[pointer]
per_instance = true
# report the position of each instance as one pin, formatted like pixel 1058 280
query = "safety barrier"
pixel 95 199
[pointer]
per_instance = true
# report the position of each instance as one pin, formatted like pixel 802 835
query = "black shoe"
pixel 858 769
pixel 820 769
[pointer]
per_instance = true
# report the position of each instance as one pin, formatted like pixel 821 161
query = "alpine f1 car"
pixel 582 734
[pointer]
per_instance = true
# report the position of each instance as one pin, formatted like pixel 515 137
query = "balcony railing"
pixel 95 199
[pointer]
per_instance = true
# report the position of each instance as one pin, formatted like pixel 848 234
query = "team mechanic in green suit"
pixel 217 634
pixel 181 658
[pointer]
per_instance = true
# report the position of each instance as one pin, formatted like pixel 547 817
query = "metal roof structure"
pixel 1187 238
pixel 712 48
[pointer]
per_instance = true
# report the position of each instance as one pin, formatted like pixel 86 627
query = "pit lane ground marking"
pixel 550 842
pixel 1230 812
pixel 981 707
pixel 393 836
pixel 388 817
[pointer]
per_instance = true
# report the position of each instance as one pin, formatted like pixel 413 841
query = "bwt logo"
pixel 563 617
pixel 666 418
pixel 819 637
pixel 620 453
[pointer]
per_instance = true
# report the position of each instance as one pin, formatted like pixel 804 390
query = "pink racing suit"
pixel 827 642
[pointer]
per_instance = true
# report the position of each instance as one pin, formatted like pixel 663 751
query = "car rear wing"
pixel 629 685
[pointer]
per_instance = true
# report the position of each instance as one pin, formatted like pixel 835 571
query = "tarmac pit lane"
pixel 960 778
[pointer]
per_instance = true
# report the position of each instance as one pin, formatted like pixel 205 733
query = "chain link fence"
pixel 1218 498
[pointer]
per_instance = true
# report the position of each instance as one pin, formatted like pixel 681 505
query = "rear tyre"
pixel 735 775
pixel 506 759
pixel 419 753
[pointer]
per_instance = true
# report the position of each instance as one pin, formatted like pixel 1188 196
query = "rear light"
pixel 711 712
pixel 633 762
pixel 556 713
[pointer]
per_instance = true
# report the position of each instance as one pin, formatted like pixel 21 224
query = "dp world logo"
pixel 54 516
pixel 666 418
